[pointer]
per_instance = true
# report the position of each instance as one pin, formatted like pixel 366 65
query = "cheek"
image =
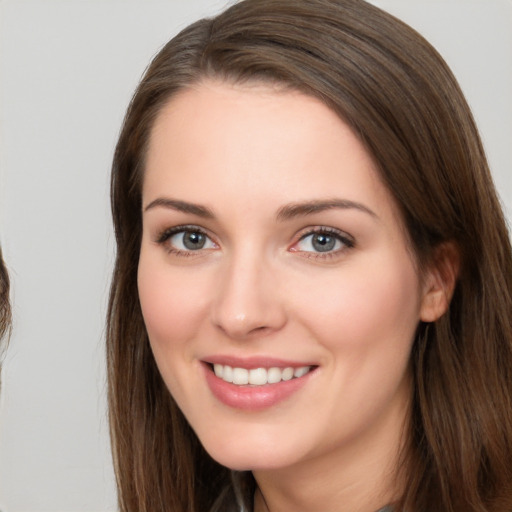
pixel 368 307
pixel 172 302
pixel 366 323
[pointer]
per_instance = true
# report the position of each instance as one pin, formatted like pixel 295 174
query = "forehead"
pixel 249 126
pixel 257 140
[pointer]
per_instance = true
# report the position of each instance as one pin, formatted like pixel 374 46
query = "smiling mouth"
pixel 258 376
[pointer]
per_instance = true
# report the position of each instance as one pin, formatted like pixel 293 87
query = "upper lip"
pixel 255 362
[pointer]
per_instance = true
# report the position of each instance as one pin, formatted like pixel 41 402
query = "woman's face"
pixel 272 251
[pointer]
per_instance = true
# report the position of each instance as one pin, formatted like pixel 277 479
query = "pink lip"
pixel 253 398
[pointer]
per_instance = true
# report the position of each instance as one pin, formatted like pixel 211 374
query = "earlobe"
pixel 439 282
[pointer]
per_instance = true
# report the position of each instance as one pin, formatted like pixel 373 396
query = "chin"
pixel 246 453
pixel 249 461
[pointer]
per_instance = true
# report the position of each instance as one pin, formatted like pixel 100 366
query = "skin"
pixel 260 288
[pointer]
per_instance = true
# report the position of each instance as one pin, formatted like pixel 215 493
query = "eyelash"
pixel 346 241
pixel 164 237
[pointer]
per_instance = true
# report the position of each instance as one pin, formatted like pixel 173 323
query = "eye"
pixel 323 240
pixel 186 239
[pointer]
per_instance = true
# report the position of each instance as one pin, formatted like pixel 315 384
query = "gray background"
pixel 67 71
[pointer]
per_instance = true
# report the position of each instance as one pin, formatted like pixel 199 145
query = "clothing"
pixel 231 499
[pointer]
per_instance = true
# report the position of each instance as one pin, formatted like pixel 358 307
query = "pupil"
pixel 193 240
pixel 323 243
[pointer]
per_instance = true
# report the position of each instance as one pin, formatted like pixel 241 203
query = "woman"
pixel 311 306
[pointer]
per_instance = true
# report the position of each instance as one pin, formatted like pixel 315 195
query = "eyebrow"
pixel 293 210
pixel 286 212
pixel 181 206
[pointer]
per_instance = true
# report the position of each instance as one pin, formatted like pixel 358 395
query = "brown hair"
pixel 5 305
pixel 400 98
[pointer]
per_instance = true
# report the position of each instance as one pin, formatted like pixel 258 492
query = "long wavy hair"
pixel 402 101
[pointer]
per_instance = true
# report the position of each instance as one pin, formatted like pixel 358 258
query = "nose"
pixel 248 300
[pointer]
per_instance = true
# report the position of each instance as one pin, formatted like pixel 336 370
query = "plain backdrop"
pixel 67 71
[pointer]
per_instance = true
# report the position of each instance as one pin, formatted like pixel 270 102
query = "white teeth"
pixel 287 374
pixel 300 372
pixel 274 375
pixel 227 374
pixel 240 376
pixel 218 369
pixel 258 376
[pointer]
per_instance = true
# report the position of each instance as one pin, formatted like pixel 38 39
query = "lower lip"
pixel 252 398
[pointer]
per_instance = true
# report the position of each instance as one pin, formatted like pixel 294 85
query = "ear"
pixel 439 282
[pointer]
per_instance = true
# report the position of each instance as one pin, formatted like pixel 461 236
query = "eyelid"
pixel 347 241
pixel 163 236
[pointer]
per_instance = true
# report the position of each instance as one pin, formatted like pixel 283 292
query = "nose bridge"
pixel 247 301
